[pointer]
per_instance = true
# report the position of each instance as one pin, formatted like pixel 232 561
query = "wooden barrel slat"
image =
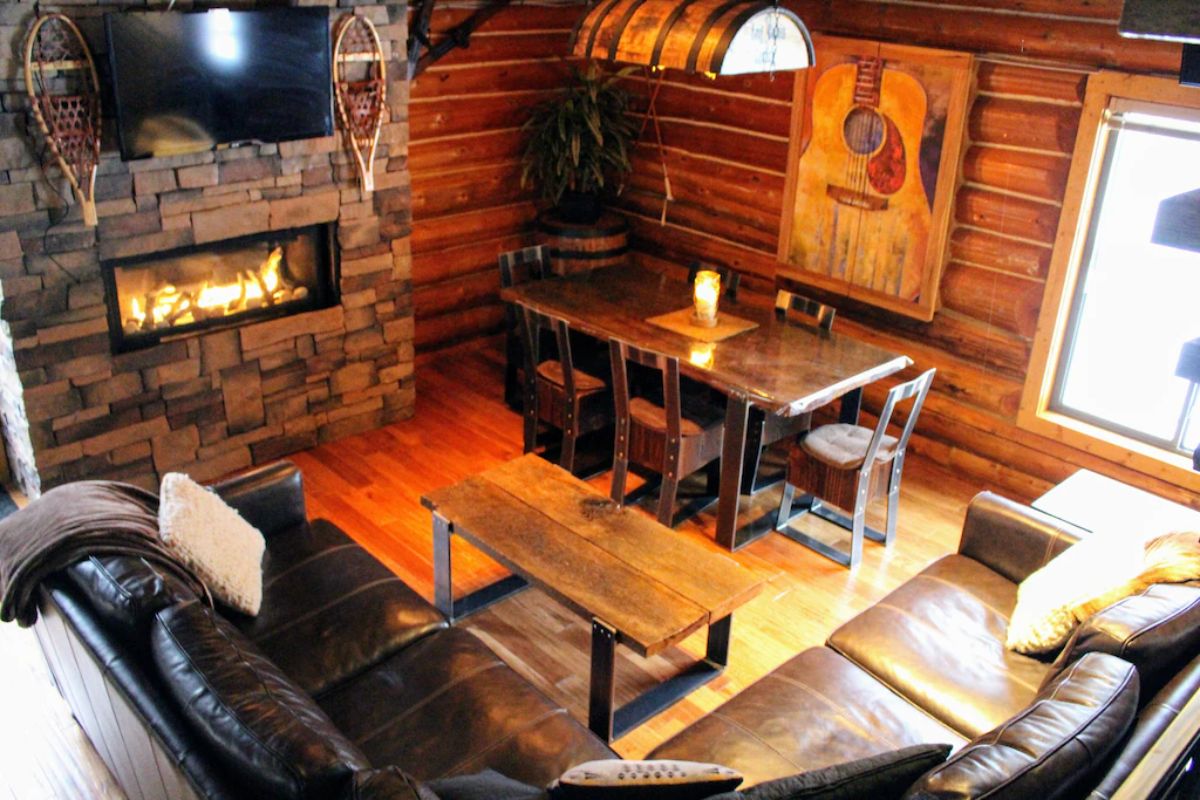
pixel 576 247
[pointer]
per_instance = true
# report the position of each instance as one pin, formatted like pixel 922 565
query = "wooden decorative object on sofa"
pixel 360 99
pixel 848 466
pixel 64 92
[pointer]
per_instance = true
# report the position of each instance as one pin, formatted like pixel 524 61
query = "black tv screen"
pixel 187 82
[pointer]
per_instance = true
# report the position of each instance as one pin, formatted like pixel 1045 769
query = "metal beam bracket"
pixel 458 36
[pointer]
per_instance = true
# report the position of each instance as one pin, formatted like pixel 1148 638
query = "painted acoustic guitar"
pixel 862 214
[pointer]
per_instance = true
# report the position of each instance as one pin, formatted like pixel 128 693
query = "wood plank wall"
pixel 727 153
pixel 727 143
pixel 465 115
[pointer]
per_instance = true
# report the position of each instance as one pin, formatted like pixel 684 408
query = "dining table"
pixel 776 366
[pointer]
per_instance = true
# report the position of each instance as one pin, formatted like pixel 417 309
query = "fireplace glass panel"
pixel 165 294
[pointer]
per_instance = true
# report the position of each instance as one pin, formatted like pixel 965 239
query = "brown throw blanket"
pixel 70 523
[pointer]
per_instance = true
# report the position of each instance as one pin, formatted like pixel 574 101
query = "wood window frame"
pixel 1087 162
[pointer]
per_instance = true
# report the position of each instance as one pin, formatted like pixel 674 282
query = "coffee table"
pixel 1095 502
pixel 641 584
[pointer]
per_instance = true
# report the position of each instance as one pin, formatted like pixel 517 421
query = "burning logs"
pixel 168 306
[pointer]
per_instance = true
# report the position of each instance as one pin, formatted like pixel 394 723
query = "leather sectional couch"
pixel 366 673
pixel 347 674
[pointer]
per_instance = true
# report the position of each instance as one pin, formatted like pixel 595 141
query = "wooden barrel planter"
pixel 576 247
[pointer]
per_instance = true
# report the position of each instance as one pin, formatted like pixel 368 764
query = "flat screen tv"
pixel 187 82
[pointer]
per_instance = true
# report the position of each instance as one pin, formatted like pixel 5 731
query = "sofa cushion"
pixel 1049 748
pixel 882 777
pixel 1158 631
pixel 938 640
pixel 125 592
pixel 815 711
pixel 448 706
pixel 270 735
pixel 330 609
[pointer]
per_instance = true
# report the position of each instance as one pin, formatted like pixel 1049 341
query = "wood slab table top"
pixel 780 367
pixel 602 561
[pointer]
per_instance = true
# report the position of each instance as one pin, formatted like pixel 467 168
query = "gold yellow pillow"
pixel 1090 576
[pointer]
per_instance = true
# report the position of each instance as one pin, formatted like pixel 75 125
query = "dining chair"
pixel 518 267
pixel 671 434
pixel 848 467
pixel 764 430
pixel 730 278
pixel 557 392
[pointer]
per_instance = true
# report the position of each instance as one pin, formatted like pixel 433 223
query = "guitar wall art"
pixel 877 134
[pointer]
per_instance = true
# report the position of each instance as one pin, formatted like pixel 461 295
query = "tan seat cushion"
pixel 553 372
pixel 938 640
pixel 655 417
pixel 845 446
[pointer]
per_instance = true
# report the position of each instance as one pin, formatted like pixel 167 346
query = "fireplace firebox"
pixel 172 293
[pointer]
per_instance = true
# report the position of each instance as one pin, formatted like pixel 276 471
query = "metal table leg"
pixel 733 452
pixel 443 584
pixel 609 724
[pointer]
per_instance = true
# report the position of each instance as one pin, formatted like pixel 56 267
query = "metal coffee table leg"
pixel 443 585
pixel 609 724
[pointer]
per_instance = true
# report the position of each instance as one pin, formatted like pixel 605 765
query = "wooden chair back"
pixel 534 326
pixel 623 354
pixel 524 265
pixel 730 278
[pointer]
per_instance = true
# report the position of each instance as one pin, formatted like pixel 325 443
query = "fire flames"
pixel 169 306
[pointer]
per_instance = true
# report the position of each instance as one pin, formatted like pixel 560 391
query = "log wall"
pixel 727 144
pixel 464 153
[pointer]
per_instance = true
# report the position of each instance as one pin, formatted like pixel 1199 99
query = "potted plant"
pixel 579 144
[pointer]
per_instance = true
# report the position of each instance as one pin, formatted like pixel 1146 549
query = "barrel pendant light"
pixel 712 37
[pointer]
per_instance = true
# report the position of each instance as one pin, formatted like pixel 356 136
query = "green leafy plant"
pixel 579 141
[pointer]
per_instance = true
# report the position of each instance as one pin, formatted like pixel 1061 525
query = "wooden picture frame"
pixel 873 163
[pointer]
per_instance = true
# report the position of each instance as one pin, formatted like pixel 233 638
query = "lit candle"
pixel 705 294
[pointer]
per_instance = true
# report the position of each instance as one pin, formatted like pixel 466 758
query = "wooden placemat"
pixel 681 322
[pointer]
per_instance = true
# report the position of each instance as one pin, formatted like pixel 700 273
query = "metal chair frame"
pixel 681 456
pixel 573 423
pixel 518 267
pixel 916 389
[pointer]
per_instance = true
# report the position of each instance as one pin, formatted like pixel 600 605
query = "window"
pixel 1117 307
pixel 1135 302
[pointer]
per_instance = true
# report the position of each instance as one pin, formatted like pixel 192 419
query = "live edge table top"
pixel 783 368
pixel 614 564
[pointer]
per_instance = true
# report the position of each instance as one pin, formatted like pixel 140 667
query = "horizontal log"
pixel 513 18
pixel 473 256
pixel 459 82
pixel 767 86
pixel 438 233
pixel 449 117
pixel 1041 175
pixel 736 111
pixel 1030 81
pixel 448 296
pixel 736 146
pixel 1001 213
pixel 1023 123
pixel 958 27
pixel 996 252
pixel 724 222
pixel 1086 9
pixel 483 187
pixel 428 157
pixel 703 180
pixel 485 47
pixel 459 326
pixel 995 298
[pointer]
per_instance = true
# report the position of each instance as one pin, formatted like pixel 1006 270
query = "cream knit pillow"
pixel 209 536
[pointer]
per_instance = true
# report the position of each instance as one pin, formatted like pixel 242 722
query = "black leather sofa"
pixel 928 663
pixel 344 673
pixel 361 676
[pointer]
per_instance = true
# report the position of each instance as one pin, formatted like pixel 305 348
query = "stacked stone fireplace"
pixel 264 370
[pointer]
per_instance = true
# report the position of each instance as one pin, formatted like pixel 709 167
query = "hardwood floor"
pixel 370 485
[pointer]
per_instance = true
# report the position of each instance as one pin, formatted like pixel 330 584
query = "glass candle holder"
pixel 705 294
